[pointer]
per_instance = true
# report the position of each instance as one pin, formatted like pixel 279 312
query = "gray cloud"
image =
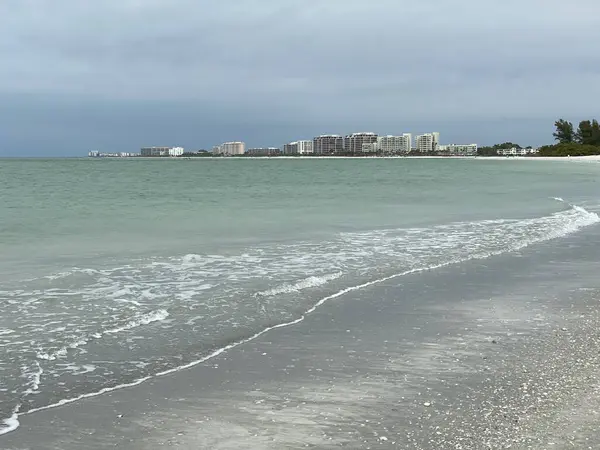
pixel 300 64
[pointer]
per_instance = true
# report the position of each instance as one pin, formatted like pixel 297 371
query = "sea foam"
pixel 306 283
pixel 424 249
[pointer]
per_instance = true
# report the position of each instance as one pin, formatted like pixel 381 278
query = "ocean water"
pixel 116 271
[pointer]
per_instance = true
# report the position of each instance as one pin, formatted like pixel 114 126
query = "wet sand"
pixel 508 356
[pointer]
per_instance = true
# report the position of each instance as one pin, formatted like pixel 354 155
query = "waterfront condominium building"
pixel 353 143
pixel 263 151
pixel 156 151
pixel 232 148
pixel 298 148
pixel 458 150
pixel 409 140
pixel 370 147
pixel 329 144
pixel 394 144
pixel 305 147
pixel 291 148
pixel 428 142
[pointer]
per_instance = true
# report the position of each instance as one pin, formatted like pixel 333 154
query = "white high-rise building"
pixel 353 143
pixel 428 142
pixel 328 144
pixel 305 147
pixel 394 144
pixel 436 140
pixel 409 140
pixel 298 148
pixel 232 148
pixel 176 151
pixel 291 148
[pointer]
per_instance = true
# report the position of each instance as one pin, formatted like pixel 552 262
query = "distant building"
pixel 155 151
pixel 330 144
pixel 161 151
pixel 291 148
pixel 263 151
pixel 428 143
pixel 97 154
pixel 305 147
pixel 409 140
pixel 298 148
pixel 394 144
pixel 230 148
pixel 458 150
pixel 353 143
pixel 370 147
pixel 518 151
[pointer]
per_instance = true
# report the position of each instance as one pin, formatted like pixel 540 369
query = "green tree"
pixel 506 145
pixel 564 133
pixel 583 135
pixel 487 151
pixel 595 138
pixel 570 149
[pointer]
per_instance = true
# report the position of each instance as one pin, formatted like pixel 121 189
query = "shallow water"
pixel 112 271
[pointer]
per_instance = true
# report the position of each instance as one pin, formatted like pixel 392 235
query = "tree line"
pixel 583 141
pixel 493 150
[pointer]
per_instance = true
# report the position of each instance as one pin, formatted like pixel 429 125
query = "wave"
pixel 144 319
pixel 11 423
pixel 310 282
pixel 566 223
pixel 414 250
pixel 35 379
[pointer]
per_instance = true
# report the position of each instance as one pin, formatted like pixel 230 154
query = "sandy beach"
pixel 431 365
pixel 591 158
pixel 435 316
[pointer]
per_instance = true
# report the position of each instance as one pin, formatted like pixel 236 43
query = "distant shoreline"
pixel 591 158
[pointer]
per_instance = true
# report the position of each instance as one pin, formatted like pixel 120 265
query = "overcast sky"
pixel 114 75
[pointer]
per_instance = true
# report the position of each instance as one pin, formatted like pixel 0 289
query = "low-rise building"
pixel 458 150
pixel 518 151
pixel 154 151
pixel 263 151
pixel 161 151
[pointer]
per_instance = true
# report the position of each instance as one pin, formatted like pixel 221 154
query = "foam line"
pixel 12 423
pixel 588 219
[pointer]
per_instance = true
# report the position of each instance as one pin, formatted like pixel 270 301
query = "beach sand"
pixel 418 362
pixel 591 158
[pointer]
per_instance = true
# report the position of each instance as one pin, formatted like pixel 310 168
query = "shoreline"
pixel 590 158
pixel 366 370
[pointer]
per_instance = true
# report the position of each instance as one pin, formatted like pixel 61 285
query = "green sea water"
pixel 116 269
pixel 60 210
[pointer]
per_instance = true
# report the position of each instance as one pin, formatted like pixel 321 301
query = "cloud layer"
pixel 123 72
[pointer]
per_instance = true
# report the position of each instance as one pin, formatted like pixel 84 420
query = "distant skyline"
pixel 121 74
